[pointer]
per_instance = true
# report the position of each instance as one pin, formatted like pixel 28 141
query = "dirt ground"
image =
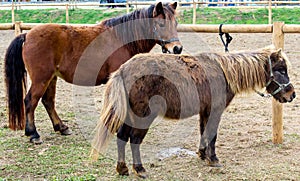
pixel 244 145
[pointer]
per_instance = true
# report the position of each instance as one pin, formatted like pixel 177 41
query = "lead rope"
pixel 268 83
pixel 227 36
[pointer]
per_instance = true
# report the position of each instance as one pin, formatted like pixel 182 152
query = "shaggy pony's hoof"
pixel 213 163
pixel 122 169
pixel 139 171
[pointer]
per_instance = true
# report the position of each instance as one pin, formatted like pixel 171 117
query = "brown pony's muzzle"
pixel 177 49
pixel 173 48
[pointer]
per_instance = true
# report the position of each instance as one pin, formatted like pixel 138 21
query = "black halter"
pixel 280 86
pixel 163 42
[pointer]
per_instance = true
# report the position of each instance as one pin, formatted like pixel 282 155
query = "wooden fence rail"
pixel 214 28
pixel 278 29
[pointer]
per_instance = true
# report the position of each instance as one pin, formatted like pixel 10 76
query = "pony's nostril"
pixel 294 95
pixel 177 50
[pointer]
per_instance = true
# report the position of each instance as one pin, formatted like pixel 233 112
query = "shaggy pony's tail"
pixel 113 114
pixel 15 80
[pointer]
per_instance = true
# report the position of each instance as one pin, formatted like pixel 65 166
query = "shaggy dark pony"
pixel 180 86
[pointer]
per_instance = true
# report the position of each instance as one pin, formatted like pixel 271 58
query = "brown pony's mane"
pixel 135 29
pixel 245 72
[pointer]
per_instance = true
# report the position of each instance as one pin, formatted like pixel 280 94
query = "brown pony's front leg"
pixel 48 101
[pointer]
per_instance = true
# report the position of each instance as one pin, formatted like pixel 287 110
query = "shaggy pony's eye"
pixel 161 25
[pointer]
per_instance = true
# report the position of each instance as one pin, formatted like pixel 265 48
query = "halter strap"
pixel 163 42
pixel 280 86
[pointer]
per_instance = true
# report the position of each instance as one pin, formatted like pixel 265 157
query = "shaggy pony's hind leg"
pixel 202 151
pixel 122 139
pixel 136 138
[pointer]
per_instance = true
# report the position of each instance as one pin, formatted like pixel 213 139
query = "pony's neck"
pixel 245 72
pixel 134 30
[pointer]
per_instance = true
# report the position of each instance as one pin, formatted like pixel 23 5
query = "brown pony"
pixel 180 86
pixel 81 55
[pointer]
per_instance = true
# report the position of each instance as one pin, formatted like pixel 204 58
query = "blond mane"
pixel 245 71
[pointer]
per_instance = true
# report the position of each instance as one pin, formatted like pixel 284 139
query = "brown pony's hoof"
pixel 36 141
pixel 66 132
pixel 122 169
pixel 139 171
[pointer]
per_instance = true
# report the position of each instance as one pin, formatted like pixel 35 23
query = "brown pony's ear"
pixel 173 5
pixel 158 9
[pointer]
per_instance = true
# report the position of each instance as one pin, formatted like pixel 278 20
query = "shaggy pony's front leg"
pixel 208 131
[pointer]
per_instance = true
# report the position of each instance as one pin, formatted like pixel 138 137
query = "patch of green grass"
pixel 79 16
pixel 61 158
pixel 239 16
pixel 204 15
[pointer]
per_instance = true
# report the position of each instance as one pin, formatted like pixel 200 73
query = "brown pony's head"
pixel 165 27
pixel 278 84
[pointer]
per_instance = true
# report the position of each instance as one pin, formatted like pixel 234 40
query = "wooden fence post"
pixel 67 13
pixel 270 11
pixel 277 116
pixel 127 6
pixel 194 12
pixel 18 29
pixel 12 12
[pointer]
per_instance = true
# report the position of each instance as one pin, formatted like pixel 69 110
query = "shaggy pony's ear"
pixel 158 10
pixel 279 52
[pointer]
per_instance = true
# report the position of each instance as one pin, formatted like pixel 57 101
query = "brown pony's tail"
pixel 113 114
pixel 15 79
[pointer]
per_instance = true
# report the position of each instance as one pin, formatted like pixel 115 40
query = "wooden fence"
pixel 258 4
pixel 278 29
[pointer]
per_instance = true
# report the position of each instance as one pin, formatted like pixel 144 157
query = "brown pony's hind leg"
pixel 48 101
pixel 32 98
pixel 30 129
pixel 40 80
